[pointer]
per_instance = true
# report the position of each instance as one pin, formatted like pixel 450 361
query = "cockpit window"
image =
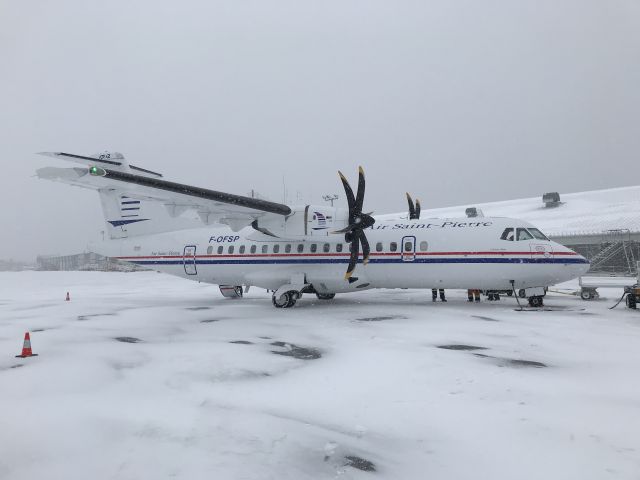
pixel 507 234
pixel 523 234
pixel 537 234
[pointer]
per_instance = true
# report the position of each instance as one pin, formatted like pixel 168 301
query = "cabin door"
pixel 189 260
pixel 408 246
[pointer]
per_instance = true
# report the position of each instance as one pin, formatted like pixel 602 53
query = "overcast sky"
pixel 456 101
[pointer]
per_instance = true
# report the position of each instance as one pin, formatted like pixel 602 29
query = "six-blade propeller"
pixel 358 222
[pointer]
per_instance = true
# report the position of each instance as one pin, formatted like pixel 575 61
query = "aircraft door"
pixel 189 260
pixel 541 251
pixel 408 246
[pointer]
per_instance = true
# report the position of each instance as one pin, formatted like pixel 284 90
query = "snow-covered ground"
pixel 142 375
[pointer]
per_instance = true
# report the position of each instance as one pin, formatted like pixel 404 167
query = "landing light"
pixel 97 171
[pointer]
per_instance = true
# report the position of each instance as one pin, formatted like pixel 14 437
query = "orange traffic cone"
pixel 26 348
pixel 68 297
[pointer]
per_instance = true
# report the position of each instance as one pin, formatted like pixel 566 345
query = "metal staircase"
pixel 616 243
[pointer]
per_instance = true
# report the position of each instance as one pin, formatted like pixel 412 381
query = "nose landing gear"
pixel 536 301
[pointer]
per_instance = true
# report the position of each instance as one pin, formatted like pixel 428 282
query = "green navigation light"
pixel 97 171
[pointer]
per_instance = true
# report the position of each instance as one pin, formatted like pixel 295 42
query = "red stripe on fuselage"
pixel 373 254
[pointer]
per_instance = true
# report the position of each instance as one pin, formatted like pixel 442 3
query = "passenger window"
pixel 241 248
pixel 424 246
pixel 393 246
pixel 507 234
pixel 265 248
pixel 253 249
pixel 231 248
pixel 408 246
pixel 300 247
pixel 314 247
pixel 287 248
pixel 338 247
pixel 379 247
pixel 523 234
pixel 537 234
pixel 276 248
pixel 209 250
pixel 326 248
pixel 220 249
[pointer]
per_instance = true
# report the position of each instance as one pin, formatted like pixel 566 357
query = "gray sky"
pixel 456 101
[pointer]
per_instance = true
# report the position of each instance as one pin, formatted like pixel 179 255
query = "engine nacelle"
pixel 305 221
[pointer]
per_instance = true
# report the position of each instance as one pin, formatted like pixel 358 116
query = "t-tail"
pixel 126 214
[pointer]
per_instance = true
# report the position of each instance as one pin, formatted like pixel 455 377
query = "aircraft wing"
pixel 110 172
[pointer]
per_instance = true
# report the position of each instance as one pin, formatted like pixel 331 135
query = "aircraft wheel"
pixel 535 301
pixel 286 300
pixel 510 293
pixel 325 296
pixel 522 293
pixel 238 290
pixel 586 294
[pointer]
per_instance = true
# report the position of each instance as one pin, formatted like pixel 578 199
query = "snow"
pixel 186 402
pixel 580 213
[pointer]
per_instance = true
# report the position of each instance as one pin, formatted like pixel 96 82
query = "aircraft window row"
pixel 519 234
pixel 339 247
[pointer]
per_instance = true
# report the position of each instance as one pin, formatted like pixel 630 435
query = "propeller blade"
pixel 351 201
pixel 353 260
pixel 360 194
pixel 418 208
pixel 358 222
pixel 412 209
pixel 365 247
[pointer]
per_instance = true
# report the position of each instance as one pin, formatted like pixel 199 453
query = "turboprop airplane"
pixel 237 241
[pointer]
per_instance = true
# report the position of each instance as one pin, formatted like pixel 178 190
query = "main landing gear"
pixel 325 296
pixel 286 300
pixel 289 298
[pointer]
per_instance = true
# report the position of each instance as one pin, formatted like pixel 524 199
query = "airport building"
pixel 84 262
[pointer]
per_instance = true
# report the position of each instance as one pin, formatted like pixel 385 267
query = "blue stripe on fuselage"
pixel 298 261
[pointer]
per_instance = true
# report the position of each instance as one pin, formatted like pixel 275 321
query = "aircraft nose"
pixel 584 265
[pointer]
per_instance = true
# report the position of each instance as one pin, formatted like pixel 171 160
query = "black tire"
pixel 510 293
pixel 325 296
pixel 631 301
pixel 286 300
pixel 522 293
pixel 586 294
pixel 282 301
pixel 238 290
pixel 535 302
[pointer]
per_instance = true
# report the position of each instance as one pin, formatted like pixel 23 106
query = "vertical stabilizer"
pixel 126 216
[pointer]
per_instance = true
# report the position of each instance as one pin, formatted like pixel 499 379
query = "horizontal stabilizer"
pixel 129 192
pixel 113 160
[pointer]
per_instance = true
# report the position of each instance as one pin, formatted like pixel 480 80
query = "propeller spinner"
pixel 358 222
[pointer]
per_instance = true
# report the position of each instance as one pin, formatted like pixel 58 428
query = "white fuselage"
pixel 427 253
